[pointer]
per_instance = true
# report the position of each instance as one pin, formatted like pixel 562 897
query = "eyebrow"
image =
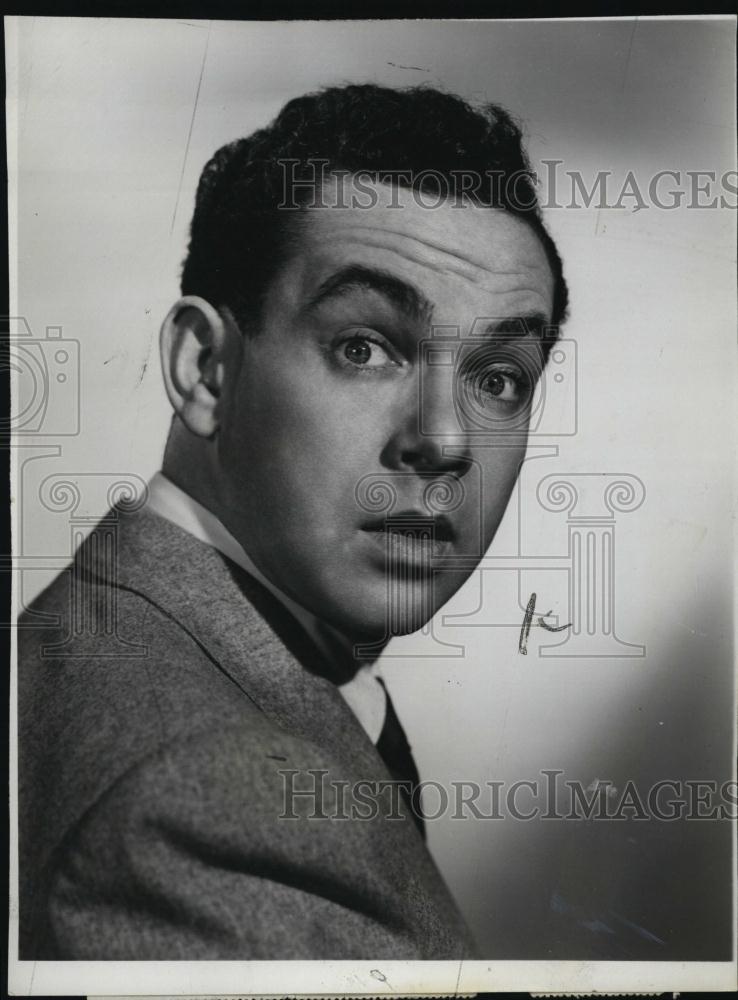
pixel 401 294
pixel 415 305
pixel 535 323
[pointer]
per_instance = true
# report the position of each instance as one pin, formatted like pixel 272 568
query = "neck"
pixel 189 463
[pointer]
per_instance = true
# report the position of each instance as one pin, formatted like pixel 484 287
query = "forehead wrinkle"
pixel 439 248
pixel 461 273
pixel 465 268
pixel 412 238
pixel 521 290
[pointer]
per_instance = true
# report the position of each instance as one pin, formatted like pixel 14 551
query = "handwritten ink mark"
pixel 379 975
pixel 528 621
pixel 525 629
pixel 420 69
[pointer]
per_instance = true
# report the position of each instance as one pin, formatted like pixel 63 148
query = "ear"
pixel 200 352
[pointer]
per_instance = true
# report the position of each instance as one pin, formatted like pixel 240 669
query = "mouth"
pixel 411 537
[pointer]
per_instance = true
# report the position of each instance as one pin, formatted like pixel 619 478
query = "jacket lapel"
pixel 241 626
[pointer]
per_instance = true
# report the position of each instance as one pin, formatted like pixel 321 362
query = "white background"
pixel 115 120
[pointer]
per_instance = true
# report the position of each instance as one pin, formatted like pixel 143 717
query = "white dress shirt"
pixel 363 693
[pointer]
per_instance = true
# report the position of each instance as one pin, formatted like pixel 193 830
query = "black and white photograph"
pixel 373 472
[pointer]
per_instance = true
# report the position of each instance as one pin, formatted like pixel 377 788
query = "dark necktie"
pixel 394 750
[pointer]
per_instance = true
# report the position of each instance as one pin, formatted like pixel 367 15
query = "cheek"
pixel 288 395
pixel 500 471
pixel 297 434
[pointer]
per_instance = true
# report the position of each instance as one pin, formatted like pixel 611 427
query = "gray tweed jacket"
pixel 161 692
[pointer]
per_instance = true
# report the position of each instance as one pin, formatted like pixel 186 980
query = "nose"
pixel 427 437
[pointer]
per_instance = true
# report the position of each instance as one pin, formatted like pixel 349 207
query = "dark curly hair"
pixel 238 234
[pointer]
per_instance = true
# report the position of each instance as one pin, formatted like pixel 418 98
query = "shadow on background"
pixel 639 889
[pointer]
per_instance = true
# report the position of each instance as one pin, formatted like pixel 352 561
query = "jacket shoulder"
pixel 96 699
pixel 231 866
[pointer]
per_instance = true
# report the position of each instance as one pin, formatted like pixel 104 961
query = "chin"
pixel 377 617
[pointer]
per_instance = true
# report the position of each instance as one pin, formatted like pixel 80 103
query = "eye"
pixel 503 384
pixel 495 384
pixel 365 352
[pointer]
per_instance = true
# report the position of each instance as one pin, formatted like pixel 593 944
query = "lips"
pixel 411 536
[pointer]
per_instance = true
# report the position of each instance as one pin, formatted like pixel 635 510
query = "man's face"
pixel 337 386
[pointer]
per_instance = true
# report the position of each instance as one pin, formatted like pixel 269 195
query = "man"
pixel 368 300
